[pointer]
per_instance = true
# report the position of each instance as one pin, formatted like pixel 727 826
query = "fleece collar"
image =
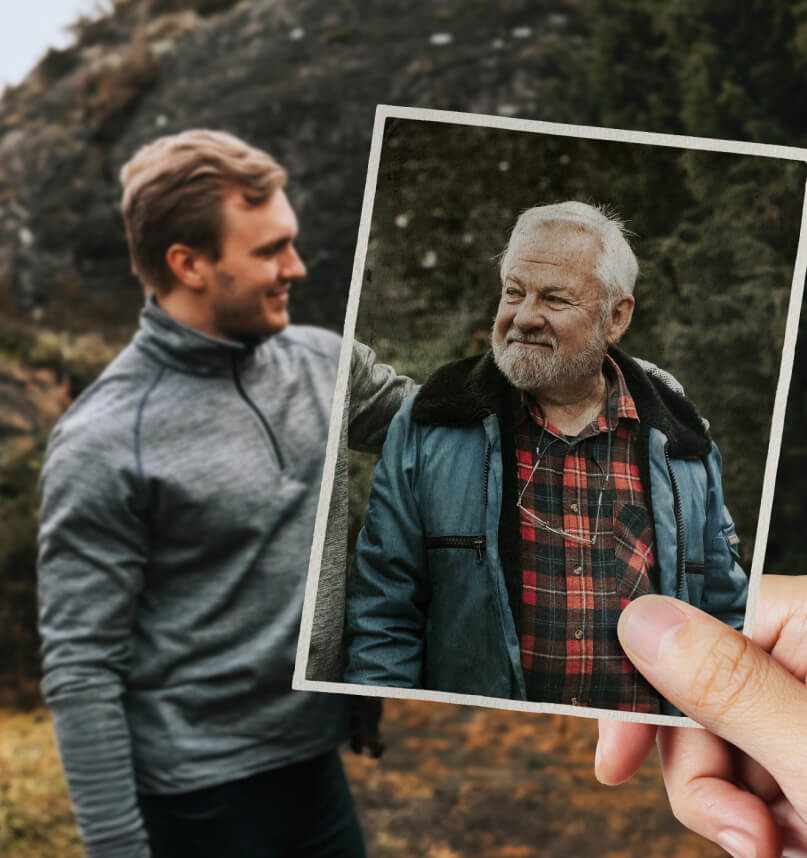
pixel 185 349
pixel 466 391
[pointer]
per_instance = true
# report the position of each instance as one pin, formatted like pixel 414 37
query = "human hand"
pixel 742 782
pixel 365 725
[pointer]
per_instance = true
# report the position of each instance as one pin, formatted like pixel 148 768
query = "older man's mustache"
pixel 532 340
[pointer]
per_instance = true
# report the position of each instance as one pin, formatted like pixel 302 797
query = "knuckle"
pixel 681 808
pixel 679 804
pixel 689 801
pixel 726 675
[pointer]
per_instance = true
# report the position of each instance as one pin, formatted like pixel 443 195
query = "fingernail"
pixel 647 625
pixel 737 843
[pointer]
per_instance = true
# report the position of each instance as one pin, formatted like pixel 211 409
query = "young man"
pixel 178 501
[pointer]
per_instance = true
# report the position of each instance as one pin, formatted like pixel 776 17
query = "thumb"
pixel 724 681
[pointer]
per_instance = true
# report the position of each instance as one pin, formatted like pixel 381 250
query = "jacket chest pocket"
pixel 471 543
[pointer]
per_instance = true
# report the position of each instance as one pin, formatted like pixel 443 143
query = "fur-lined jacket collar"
pixel 466 391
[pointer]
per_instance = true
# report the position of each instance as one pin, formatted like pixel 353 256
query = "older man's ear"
pixel 619 319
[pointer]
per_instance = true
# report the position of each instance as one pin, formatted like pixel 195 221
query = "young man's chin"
pixel 267 325
pixel 277 322
pixel 276 314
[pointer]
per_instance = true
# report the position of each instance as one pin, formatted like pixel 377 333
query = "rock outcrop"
pixel 300 79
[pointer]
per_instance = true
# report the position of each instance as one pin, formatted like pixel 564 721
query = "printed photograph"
pixel 595 350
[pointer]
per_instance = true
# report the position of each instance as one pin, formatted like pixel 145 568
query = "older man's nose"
pixel 530 314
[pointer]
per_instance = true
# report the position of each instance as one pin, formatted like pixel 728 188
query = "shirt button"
pixel 578 634
pixel 574 507
pixel 578 570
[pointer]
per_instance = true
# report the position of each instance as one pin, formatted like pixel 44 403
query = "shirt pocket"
pixel 633 551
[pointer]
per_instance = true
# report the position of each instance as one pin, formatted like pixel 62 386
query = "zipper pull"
pixel 479 555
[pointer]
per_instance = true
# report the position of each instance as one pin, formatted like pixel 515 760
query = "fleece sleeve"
pixel 374 394
pixel 92 553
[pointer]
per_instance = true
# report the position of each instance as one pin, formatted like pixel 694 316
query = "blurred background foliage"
pixel 715 234
pixel 719 70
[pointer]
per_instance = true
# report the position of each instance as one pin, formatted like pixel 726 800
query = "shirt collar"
pixel 619 404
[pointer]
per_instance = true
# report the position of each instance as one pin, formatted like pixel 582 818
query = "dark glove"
pixel 365 718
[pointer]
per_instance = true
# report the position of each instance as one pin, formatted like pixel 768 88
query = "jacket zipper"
pixel 485 471
pixel 679 529
pixel 475 542
pixel 264 422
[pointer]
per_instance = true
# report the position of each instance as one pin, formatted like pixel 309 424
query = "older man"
pixel 524 498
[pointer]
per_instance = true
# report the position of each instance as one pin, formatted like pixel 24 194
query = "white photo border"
pixel 384 112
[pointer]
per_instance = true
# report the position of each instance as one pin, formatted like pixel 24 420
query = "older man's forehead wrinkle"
pixel 526 283
pixel 545 262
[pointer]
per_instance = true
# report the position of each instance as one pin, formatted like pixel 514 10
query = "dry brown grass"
pixel 455 782
pixel 36 818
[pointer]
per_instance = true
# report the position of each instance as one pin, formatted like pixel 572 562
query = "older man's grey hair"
pixel 616 266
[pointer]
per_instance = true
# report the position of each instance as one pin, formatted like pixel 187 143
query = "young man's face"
pixel 249 284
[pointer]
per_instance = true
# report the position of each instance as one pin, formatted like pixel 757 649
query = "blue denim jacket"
pixel 428 602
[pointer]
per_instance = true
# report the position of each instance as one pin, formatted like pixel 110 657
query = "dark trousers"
pixel 304 810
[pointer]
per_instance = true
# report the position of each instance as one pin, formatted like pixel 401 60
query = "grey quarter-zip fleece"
pixel 179 494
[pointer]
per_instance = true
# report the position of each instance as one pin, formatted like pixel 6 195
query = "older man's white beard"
pixel 529 369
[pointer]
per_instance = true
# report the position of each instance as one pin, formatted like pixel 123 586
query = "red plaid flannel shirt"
pixel 573 593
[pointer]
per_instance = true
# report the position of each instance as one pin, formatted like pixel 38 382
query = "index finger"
pixel 622 747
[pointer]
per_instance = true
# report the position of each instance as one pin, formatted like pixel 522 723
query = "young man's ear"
pixel 187 265
pixel 619 319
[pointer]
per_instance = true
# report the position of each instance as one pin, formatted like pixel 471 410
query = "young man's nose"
pixel 293 267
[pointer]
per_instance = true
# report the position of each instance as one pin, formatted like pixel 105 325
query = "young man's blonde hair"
pixel 173 189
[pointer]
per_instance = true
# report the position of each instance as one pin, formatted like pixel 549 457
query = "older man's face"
pixel 549 329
